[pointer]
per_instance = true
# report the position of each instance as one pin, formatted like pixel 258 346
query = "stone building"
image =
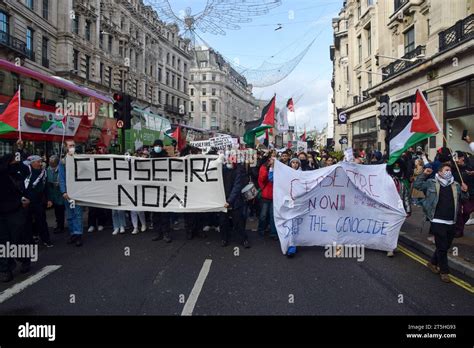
pixel 221 98
pixel 393 47
pixel 106 45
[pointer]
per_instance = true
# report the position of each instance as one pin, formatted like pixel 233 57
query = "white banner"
pixel 185 184
pixel 346 204
pixel 221 142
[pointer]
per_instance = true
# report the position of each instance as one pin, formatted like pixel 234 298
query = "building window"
pixel 359 84
pixel 44 52
pixel 101 72
pixel 192 106
pixel 204 77
pixel 192 77
pixel 204 122
pixel 159 74
pixel 110 77
pixel 173 80
pixel 179 64
pixel 46 9
pixel 214 106
pixel 173 60
pixel 75 60
pixel 213 92
pixel 178 84
pixel 369 79
pixel 185 67
pixel 204 106
pixel 110 43
pixel 88 30
pixel 369 41
pixel 167 99
pixel 203 64
pixel 88 67
pixel 213 77
pixel 410 40
pixel 167 78
pixel 167 58
pixel 191 92
pixel 30 4
pixel 456 96
pixel 359 45
pixel 204 92
pixel 29 42
pixel 359 9
pixel 213 122
pixel 4 25
pixel 370 3
pixel 75 24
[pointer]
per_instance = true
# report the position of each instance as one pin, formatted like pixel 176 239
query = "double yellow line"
pixel 421 260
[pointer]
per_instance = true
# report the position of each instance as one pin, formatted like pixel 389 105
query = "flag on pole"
pixel 282 117
pixel 303 136
pixel 266 121
pixel 178 136
pixel 10 118
pixel 408 131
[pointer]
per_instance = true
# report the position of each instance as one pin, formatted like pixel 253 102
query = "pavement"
pixel 415 233
pixel 130 275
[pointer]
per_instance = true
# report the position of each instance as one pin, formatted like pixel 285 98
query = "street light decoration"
pixel 217 16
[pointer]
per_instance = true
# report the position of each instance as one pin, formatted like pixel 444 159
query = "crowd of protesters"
pixel 29 186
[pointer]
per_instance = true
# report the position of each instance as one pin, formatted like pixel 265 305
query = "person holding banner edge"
pixel 161 221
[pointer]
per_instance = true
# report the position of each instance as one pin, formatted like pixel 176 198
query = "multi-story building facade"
pixel 106 45
pixel 221 98
pixel 393 47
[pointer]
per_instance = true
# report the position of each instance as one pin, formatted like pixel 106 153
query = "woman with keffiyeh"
pixel 441 205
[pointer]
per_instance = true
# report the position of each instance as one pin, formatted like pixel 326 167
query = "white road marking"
pixel 193 296
pixel 17 288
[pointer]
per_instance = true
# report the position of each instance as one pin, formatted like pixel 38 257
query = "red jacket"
pixel 265 185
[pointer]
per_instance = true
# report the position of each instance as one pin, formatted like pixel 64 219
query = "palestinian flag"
pixel 408 131
pixel 9 119
pixel 180 140
pixel 266 121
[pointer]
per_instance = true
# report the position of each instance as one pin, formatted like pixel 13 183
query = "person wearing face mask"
pixel 303 158
pixel 74 212
pixel 36 189
pixel 13 211
pixel 441 206
pixel 397 172
pixel 161 221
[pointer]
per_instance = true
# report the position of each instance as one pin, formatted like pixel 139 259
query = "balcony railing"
pixel 401 65
pixel 399 3
pixel 463 30
pixel 171 108
pixel 15 44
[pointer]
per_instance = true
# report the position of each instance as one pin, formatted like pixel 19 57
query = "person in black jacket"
pixel 161 221
pixel 36 189
pixel 234 220
pixel 13 204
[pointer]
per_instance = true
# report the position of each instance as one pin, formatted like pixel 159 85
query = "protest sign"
pixel 185 184
pixel 221 142
pixel 203 144
pixel 345 203
pixel 302 146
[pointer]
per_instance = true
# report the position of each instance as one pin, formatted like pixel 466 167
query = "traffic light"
pixel 119 106
pixel 127 100
pixel 123 109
